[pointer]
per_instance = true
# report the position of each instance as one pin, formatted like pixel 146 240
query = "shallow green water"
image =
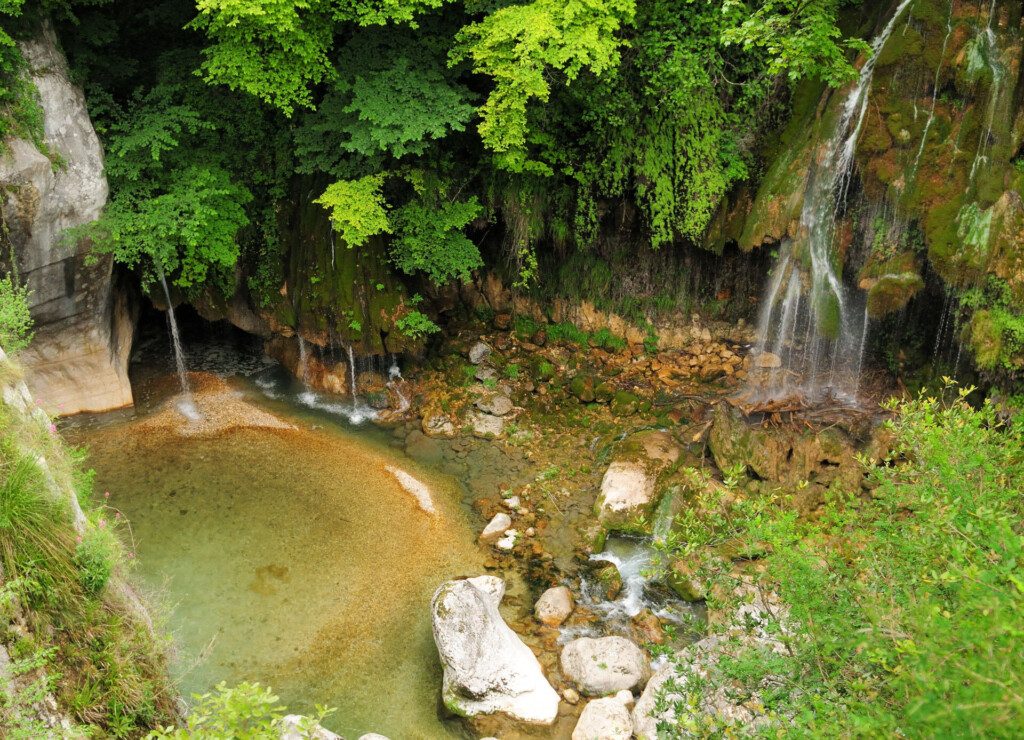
pixel 293 558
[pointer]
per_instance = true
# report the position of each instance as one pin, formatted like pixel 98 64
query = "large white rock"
pixel 78 360
pixel 604 719
pixel 605 665
pixel 487 668
pixel 626 487
pixel 554 606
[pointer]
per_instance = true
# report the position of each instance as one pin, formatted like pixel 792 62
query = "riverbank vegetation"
pixel 83 661
pixel 904 600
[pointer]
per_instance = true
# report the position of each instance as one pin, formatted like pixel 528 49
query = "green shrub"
pixel 511 371
pixel 908 602
pixel 416 325
pixel 95 556
pixel 15 319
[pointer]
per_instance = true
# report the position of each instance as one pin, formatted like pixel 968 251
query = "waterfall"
pixel 352 376
pixel 990 58
pixel 187 405
pixel 935 93
pixel 303 363
pixel 806 328
pixel 395 375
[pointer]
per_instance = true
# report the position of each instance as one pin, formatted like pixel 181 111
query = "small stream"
pixel 292 557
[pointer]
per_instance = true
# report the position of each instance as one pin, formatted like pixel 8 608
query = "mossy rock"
pixel 604 392
pixel 581 387
pixel 625 403
pixel 986 338
pixel 890 293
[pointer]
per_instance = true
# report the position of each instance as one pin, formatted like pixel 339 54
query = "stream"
pixel 294 557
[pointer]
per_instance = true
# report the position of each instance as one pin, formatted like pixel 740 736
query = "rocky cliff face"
pixel 78 359
pixel 937 179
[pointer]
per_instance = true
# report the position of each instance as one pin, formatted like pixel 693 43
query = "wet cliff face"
pixel 78 359
pixel 936 186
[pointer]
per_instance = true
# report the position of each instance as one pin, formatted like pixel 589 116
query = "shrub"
pixel 95 557
pixel 15 319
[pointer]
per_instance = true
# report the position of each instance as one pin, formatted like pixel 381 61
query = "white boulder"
pixel 554 606
pixel 626 489
pixel 604 719
pixel 496 527
pixel 487 668
pixel 605 665
pixel 297 727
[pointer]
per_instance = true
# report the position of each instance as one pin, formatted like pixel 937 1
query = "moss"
pixel 892 292
pixel 986 339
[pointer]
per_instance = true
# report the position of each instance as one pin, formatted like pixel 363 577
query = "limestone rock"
pixel 78 360
pixel 554 606
pixel 487 668
pixel 496 527
pixel 768 361
pixel 682 578
pixel 496 405
pixel 627 492
pixel 436 424
pixel 604 665
pixel 479 352
pixel 604 719
pixel 486 426
pixel 508 541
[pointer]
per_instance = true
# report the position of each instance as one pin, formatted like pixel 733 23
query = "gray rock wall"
pixel 84 325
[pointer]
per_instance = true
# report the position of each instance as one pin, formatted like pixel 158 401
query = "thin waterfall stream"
pixel 187 405
pixel 810 335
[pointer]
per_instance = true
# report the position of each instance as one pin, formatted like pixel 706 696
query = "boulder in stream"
pixel 604 719
pixel 629 486
pixel 496 527
pixel 605 665
pixel 487 668
pixel 554 606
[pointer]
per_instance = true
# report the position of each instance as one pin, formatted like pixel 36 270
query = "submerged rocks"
pixel 486 426
pixel 554 606
pixel 605 665
pixel 498 525
pixel 297 727
pixel 487 668
pixel 604 719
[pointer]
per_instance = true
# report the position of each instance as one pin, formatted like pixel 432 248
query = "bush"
pixel 95 556
pixel 15 319
pixel 908 600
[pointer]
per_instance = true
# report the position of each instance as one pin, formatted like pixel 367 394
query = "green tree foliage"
pixel 15 319
pixel 522 46
pixel 357 209
pixel 430 238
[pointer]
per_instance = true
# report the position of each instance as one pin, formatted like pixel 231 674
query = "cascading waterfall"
pixel 303 363
pixel 990 58
pixel 352 376
pixel 187 404
pixel 395 375
pixel 809 336
pixel 935 93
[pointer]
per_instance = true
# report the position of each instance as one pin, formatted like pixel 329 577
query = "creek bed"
pixel 292 557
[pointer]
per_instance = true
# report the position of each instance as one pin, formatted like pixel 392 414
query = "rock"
pixel 604 665
pixel 372 736
pixel 554 606
pixel 647 627
pixel 78 358
pixel 624 403
pixel 604 392
pixel 611 581
pixel 479 352
pixel 604 719
pixel 484 374
pixel 768 361
pixel 508 542
pixel 297 727
pixel 582 388
pixel 627 491
pixel 487 668
pixel 682 578
pixel 626 697
pixel 436 424
pixel 496 527
pixel 496 405
pixel 486 426
pixel 512 502
pixel 571 696
pixel 502 321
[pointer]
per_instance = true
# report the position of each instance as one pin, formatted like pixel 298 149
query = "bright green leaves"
pixel 522 47
pixel 357 208
pixel 431 239
pixel 15 319
pixel 189 228
pixel 272 49
pixel 799 37
pixel 398 109
pixel 277 50
pixel 428 228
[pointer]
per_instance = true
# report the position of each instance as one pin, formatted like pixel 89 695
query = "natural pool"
pixel 293 557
